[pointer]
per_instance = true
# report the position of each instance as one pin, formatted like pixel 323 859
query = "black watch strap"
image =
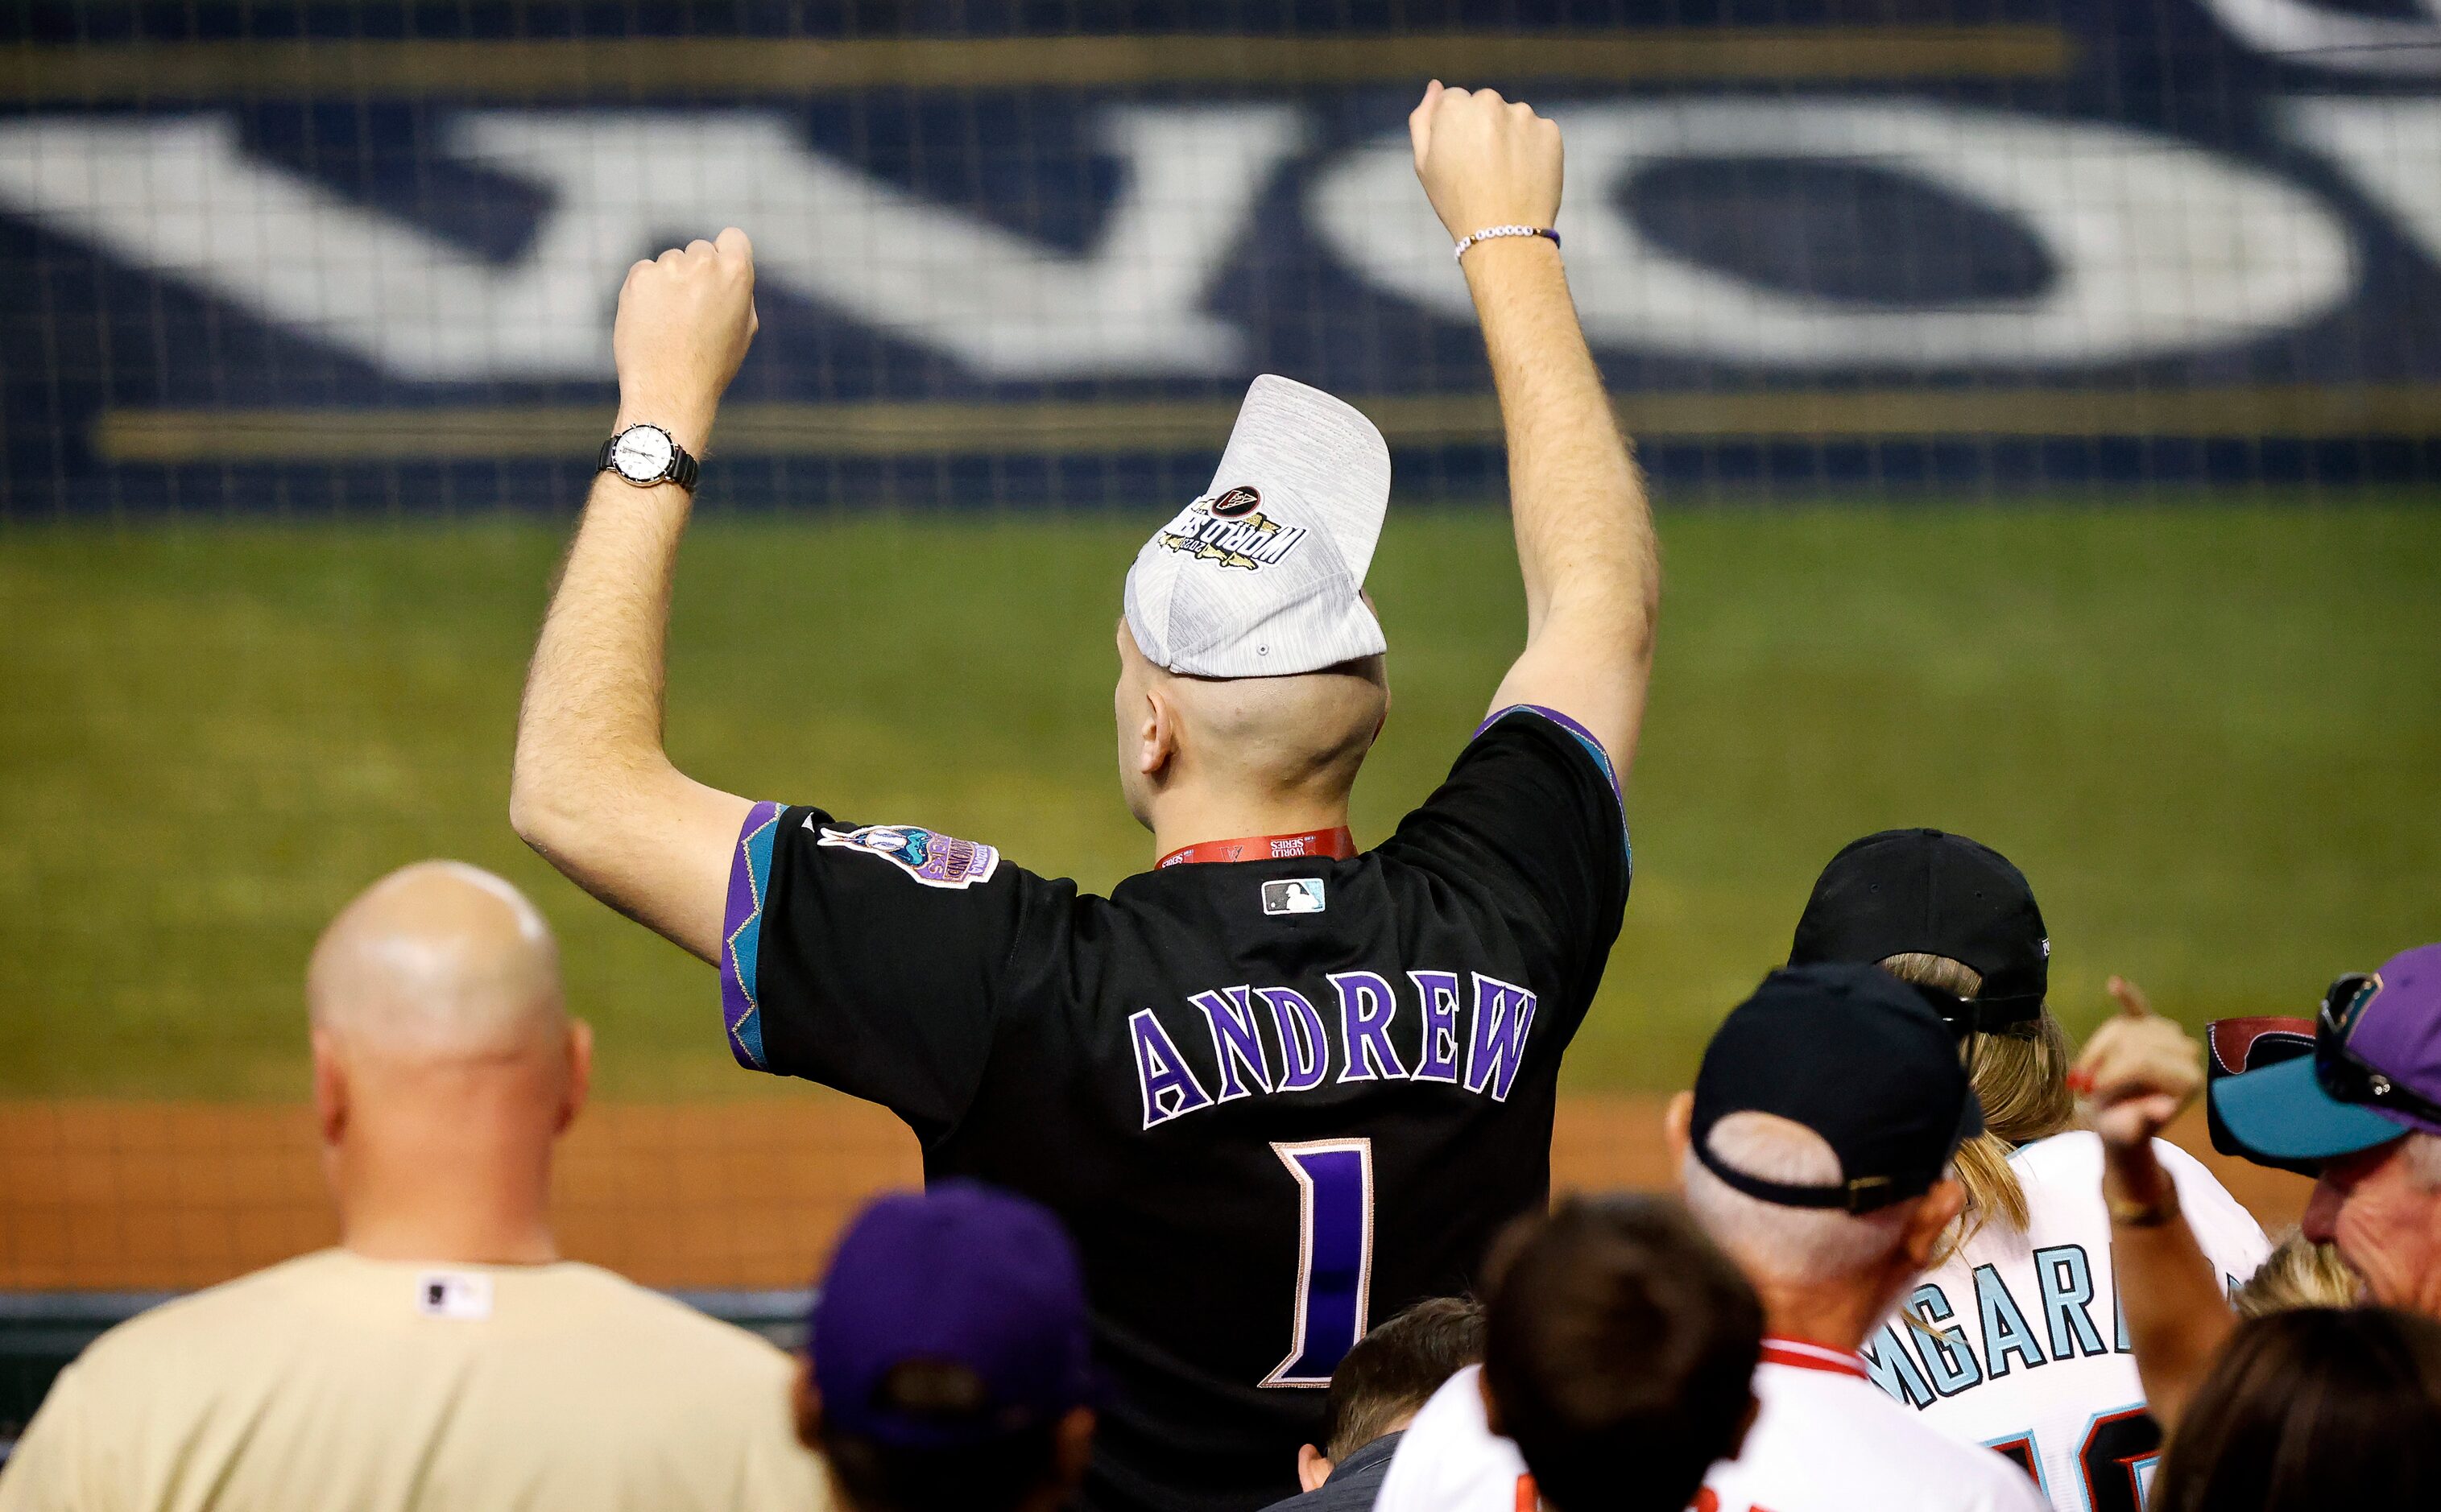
pixel 682 470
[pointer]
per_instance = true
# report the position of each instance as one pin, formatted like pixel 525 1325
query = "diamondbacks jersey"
pixel 1825 1441
pixel 2024 1347
pixel 1275 1100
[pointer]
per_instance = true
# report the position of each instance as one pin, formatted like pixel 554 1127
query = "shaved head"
pixel 439 960
pixel 1272 737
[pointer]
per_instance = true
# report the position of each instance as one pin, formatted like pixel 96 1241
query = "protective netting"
pixel 355 261
pixel 283 255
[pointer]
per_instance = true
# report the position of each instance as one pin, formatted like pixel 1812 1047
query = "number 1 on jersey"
pixel 1335 1255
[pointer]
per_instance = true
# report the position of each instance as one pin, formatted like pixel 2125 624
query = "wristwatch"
pixel 646 454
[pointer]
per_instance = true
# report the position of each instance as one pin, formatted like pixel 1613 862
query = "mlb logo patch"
pixel 464 1296
pixel 1296 895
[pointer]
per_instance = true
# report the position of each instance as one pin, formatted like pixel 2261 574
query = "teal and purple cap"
pixel 951 1317
pixel 2374 1076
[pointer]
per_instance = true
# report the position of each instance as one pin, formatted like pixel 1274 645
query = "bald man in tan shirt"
pixel 444 1356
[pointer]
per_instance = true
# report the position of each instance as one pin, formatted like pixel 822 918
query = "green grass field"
pixel 2212 736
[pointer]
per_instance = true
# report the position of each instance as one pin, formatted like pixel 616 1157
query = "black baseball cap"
pixel 1910 891
pixel 1859 1057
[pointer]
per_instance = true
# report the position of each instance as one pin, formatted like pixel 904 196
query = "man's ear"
pixel 330 1089
pixel 1934 1213
pixel 1313 1468
pixel 1676 1120
pixel 580 1072
pixel 805 1406
pixel 1157 734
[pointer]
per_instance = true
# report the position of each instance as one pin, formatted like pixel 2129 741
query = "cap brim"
pixel 2281 1113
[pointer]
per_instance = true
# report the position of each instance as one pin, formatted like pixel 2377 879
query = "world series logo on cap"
pixel 1227 528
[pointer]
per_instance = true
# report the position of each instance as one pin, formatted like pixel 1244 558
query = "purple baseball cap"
pixel 966 1277
pixel 2390 1027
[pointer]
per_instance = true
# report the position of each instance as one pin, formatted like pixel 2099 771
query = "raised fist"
pixel 2138 1071
pixel 685 320
pixel 1484 160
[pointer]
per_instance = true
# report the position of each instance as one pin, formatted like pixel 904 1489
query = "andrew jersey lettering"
pixel 2022 1345
pixel 1272 1115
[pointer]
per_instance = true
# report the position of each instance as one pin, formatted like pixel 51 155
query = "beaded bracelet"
pixel 1489 232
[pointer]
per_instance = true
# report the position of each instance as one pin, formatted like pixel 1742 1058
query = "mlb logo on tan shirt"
pixel 465 1295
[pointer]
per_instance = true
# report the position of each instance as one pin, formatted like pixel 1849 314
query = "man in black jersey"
pixel 1277 1088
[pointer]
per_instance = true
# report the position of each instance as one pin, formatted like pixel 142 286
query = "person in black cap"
pixel 1816 1149
pixel 2029 1278
pixel 1943 911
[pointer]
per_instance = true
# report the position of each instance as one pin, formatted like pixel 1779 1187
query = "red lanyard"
pixel 1338 844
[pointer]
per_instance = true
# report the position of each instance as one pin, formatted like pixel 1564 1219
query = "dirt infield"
pixel 97 1195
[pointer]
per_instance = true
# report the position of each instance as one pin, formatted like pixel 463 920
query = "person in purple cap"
pixel 949 1360
pixel 2364 1113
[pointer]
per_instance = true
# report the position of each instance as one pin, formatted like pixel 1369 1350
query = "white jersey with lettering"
pixel 1827 1441
pixel 2024 1347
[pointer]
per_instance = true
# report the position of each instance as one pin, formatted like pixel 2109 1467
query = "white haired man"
pixel 1275 1087
pixel 2364 1113
pixel 1815 1150
pixel 444 1356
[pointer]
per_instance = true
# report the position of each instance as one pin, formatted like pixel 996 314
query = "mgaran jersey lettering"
pixel 2020 1343
pixel 1271 1114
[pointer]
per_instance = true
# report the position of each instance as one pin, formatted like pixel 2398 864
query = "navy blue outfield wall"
pixel 321 258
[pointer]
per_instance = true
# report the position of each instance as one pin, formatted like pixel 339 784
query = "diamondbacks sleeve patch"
pixel 930 858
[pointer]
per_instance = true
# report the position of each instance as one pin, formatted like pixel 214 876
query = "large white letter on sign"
pixel 180 195
pixel 2157 246
pixel 1004 304
pixel 2391 145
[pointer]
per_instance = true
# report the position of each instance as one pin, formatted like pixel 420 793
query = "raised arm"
pixel 2138 1071
pixel 1584 535
pixel 595 792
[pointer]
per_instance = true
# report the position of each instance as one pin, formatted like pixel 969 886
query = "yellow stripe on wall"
pixel 514 433
pixel 731 68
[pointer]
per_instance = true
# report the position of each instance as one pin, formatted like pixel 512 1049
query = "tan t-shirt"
pixel 334 1381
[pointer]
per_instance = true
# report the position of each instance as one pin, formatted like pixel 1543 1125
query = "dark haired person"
pixel 1375 1394
pixel 2028 1279
pixel 2312 1409
pixel 949 1364
pixel 1619 1349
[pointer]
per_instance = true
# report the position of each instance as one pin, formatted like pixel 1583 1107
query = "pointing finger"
pixel 2132 1002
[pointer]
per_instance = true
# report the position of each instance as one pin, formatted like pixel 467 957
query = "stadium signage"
pixel 2153 246
pixel 1039 268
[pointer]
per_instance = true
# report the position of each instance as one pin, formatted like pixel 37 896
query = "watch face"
pixel 642 454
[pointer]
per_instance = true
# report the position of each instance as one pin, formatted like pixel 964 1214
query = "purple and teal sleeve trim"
pixel 1593 747
pixel 741 933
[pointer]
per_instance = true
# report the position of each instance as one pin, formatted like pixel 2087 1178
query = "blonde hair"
pixel 2299 1273
pixel 2020 1075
